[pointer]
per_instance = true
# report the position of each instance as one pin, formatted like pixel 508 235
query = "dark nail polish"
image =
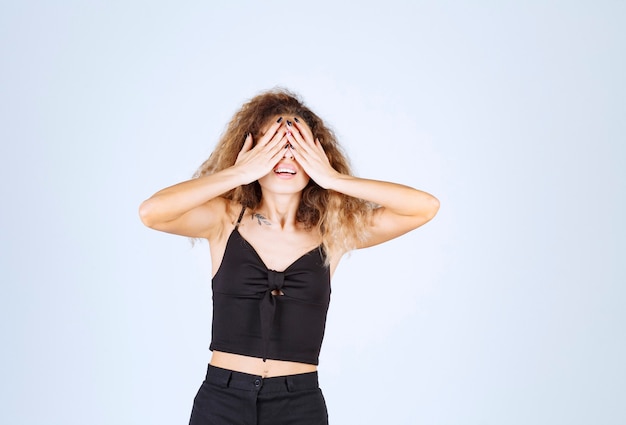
pixel 280 119
pixel 296 119
pixel 289 123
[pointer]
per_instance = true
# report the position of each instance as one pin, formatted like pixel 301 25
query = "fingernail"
pixel 296 119
pixel 289 123
pixel 280 119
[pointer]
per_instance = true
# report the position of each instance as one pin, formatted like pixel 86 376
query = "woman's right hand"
pixel 194 207
pixel 256 161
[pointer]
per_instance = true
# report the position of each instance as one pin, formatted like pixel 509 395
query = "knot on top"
pixel 275 280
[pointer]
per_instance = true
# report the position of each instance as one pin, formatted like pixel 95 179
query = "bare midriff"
pixel 256 366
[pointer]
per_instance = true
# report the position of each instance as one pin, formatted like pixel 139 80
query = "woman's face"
pixel 288 176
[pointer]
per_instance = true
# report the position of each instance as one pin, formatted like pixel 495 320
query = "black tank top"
pixel 249 320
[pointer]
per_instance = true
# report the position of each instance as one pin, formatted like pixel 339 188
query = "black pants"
pixel 233 398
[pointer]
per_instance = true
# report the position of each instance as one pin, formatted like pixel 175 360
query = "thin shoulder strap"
pixel 243 209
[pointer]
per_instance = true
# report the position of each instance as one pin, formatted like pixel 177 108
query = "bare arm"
pixel 191 208
pixel 194 207
pixel 402 208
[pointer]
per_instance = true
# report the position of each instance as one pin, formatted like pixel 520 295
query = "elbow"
pixel 146 213
pixel 432 208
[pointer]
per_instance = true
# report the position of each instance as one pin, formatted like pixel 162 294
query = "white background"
pixel 508 308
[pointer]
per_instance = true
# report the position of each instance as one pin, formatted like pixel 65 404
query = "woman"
pixel 279 207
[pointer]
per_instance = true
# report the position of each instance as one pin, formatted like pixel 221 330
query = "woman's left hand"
pixel 310 154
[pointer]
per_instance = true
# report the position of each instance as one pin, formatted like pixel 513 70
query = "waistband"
pixel 226 378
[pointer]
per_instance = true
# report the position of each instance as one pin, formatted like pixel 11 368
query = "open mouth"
pixel 285 171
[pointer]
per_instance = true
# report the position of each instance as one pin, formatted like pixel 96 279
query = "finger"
pixel 321 152
pixel 319 146
pixel 278 146
pixel 303 160
pixel 297 155
pixel 293 130
pixel 299 145
pixel 270 143
pixel 303 129
pixel 271 132
pixel 278 156
pixel 279 152
pixel 247 145
pixel 278 139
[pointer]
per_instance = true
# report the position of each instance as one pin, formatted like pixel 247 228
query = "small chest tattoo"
pixel 260 219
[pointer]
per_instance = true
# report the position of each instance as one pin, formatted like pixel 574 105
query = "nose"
pixel 288 153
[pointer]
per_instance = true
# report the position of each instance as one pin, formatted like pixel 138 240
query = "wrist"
pixel 240 175
pixel 332 181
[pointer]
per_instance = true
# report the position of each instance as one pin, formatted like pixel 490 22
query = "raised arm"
pixel 194 208
pixel 402 208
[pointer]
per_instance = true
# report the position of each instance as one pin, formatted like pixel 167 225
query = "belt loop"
pixel 227 379
pixel 291 385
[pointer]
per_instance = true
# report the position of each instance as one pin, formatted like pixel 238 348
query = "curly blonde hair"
pixel 341 220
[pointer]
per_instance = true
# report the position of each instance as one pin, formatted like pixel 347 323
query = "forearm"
pixel 399 199
pixel 174 201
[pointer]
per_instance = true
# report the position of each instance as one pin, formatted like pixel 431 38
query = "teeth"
pixel 285 170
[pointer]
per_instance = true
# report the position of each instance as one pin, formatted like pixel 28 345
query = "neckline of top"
pixel 293 263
